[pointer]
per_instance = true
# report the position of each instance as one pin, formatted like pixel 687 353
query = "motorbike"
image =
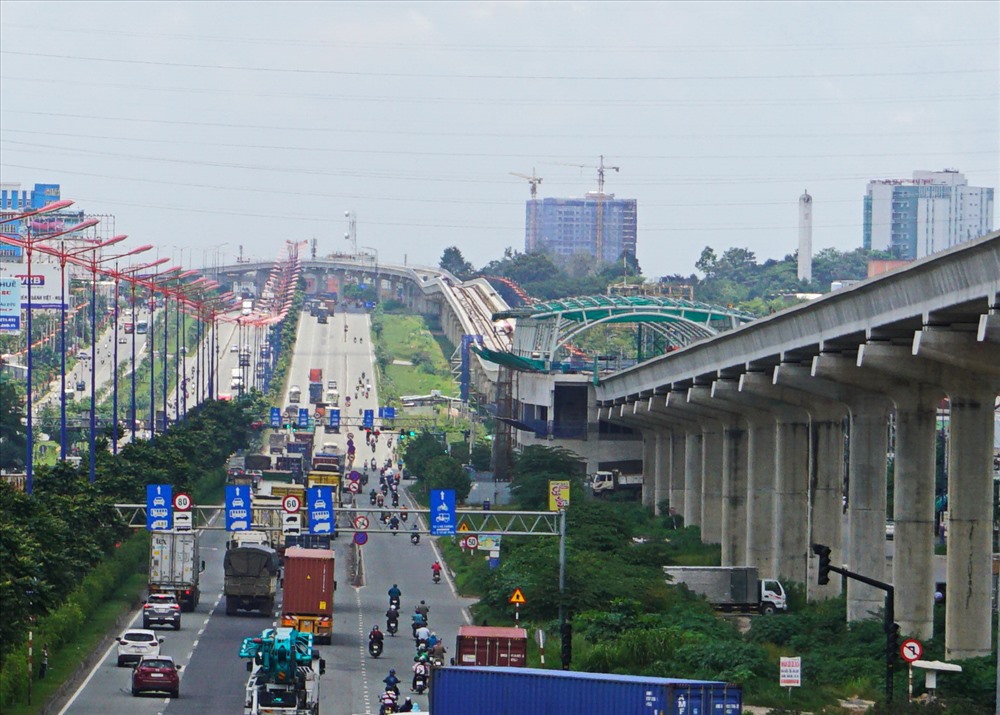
pixel 375 648
pixel 414 539
pixel 392 626
pixel 419 684
pixel 436 577
pixel 394 602
pixel 373 497
pixel 395 499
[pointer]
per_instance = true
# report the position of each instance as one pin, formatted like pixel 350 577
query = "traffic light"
pixel 823 552
pixel 891 641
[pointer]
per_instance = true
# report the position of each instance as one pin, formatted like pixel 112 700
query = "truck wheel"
pixel 767 609
pixel 230 606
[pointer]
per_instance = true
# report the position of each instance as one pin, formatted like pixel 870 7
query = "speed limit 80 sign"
pixel 182 502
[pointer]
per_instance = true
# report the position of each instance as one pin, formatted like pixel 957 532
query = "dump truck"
pixel 175 566
pixel 731 588
pixel 307 601
pixel 605 482
pixel 251 579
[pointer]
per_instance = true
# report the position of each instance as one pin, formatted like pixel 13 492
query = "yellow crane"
pixel 532 242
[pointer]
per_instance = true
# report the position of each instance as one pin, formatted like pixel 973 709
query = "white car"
pixel 235 348
pixel 135 643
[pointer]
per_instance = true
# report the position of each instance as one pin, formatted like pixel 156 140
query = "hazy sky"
pixel 206 123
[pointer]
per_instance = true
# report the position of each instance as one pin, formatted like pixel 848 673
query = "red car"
pixel 156 673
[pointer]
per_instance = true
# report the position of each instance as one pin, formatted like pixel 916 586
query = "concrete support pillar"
pixel 650 467
pixel 664 474
pixel 866 506
pixel 711 482
pixel 678 485
pixel 760 499
pixel 791 499
pixel 693 449
pixel 826 489
pixel 970 517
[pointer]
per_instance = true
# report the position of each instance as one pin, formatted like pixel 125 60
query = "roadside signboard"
pixel 46 290
pixel 361 522
pixel 183 520
pixel 368 419
pixel 10 305
pixel 276 417
pixel 442 514
pixel 320 500
pixel 390 413
pixel 489 542
pixel 517 597
pixel 354 487
pixel 303 417
pixel 471 542
pixel 291 504
pixel 790 675
pixel 159 507
pixel 238 508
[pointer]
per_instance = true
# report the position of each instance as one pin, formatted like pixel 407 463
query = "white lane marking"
pixel 362 650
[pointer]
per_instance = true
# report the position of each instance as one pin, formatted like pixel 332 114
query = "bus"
pixel 142 327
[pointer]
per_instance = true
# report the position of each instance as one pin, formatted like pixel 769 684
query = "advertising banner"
pixel 46 292
pixel 10 305
pixel 558 495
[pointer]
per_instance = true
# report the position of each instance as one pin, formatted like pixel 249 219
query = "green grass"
pixel 64 663
pixel 407 338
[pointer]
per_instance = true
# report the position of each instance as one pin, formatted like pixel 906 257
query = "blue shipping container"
pixel 530 691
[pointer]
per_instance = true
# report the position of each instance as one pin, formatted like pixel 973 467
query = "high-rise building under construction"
pixel 597 225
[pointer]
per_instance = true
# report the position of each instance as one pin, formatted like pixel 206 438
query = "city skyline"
pixel 272 124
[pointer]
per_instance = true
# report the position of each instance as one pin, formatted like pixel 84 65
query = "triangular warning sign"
pixel 517 596
pixel 463 526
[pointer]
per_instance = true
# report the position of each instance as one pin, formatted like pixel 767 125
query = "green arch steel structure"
pixel 544 328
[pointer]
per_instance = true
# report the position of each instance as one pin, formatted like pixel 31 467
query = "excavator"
pixel 284 672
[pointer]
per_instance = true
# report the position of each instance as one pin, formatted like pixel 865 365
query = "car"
pixel 122 340
pixel 157 673
pixel 234 348
pixel 890 530
pixel 135 643
pixel 81 386
pixel 161 609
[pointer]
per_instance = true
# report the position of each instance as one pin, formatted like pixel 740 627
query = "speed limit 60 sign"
pixel 291 504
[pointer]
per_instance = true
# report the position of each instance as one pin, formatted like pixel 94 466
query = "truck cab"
pixel 294 394
pixel 608 481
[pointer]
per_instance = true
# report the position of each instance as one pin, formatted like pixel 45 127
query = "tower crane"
pixel 532 242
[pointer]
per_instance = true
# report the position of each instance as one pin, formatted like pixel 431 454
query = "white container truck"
pixel 175 566
pixel 731 588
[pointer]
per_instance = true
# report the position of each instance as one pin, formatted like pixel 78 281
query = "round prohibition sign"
pixel 471 542
pixel 354 487
pixel 182 502
pixel 291 503
pixel 911 650
pixel 361 522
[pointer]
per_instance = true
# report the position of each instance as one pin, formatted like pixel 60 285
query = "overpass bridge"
pixel 464 309
pixel 754 433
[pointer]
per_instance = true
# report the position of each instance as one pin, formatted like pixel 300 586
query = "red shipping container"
pixel 491 645
pixel 316 374
pixel 308 584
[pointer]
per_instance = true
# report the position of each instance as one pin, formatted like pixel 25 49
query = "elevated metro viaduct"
pixel 752 434
pixel 463 309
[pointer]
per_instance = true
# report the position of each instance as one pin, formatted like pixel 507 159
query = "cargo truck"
pixel 731 588
pixel 260 461
pixel 316 374
pixel 502 691
pixel 175 566
pixel 307 601
pixel 606 482
pixel 251 579
pixel 295 394
pixel 315 392
pixel 491 645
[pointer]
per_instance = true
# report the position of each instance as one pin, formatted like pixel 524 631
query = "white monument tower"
pixel 805 237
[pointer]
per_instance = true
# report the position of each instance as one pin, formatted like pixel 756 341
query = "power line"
pixel 458 75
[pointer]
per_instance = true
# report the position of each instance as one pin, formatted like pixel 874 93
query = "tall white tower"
pixel 805 237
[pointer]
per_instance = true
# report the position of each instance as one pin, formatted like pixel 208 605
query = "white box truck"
pixel 175 566
pixel 731 588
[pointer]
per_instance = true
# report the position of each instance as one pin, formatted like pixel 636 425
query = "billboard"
pixel 46 291
pixel 10 305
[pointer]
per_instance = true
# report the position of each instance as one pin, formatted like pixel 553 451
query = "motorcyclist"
pixel 391 619
pixel 437 651
pixel 436 569
pixel 419 619
pixel 407 706
pixel 395 595
pixel 391 682
pixel 373 496
pixel 419 669
pixel 414 536
pixel 423 609
pixel 387 703
pixel 394 522
pixel 422 634
pixel 376 636
pixel 432 640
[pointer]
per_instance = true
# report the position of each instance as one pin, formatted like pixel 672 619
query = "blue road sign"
pixel 368 419
pixel 238 508
pixel 303 417
pixel 360 538
pixel 390 413
pixel 381 413
pixel 335 418
pixel 159 507
pixel 320 500
pixel 276 417
pixel 442 514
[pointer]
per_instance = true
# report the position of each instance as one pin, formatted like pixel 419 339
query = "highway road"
pixel 208 644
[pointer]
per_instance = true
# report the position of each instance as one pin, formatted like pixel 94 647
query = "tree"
pixel 536 466
pixel 13 435
pixel 418 451
pixel 445 472
pixel 454 262
pixel 481 455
